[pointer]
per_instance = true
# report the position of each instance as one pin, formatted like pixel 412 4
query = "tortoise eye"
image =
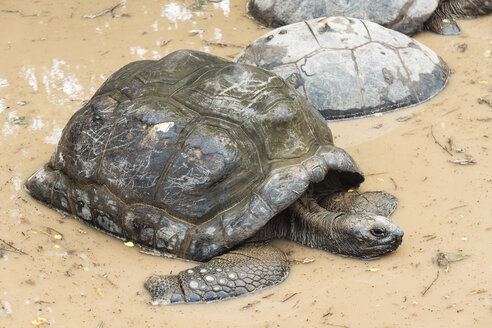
pixel 378 232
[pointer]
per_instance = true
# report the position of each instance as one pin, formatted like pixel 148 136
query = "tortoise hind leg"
pixel 376 202
pixel 442 20
pixel 443 25
pixel 243 270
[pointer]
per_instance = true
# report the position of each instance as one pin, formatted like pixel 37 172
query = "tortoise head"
pixel 364 235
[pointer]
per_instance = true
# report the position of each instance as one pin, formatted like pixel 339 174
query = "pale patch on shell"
pixel 163 127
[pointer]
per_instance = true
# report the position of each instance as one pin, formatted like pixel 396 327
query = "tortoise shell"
pixel 191 154
pixel 348 67
pixel 401 15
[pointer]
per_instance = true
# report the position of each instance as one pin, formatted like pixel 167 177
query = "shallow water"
pixel 73 276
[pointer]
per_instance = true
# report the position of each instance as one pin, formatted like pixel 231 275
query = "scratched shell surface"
pixel 348 67
pixel 190 154
pixel 406 16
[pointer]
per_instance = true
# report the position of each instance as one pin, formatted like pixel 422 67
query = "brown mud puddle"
pixel 74 276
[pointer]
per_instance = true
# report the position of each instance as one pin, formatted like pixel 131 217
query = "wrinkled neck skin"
pixel 463 8
pixel 359 234
pixel 322 231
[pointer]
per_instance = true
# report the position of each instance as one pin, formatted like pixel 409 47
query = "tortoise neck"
pixel 304 222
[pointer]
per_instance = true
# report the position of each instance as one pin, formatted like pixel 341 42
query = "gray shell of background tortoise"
pixel 190 154
pixel 401 15
pixel 348 67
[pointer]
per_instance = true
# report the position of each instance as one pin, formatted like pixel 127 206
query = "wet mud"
pixel 435 157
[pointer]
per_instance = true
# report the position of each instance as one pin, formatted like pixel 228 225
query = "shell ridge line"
pixel 367 30
pixel 412 83
pixel 187 80
pixel 183 137
pixel 359 80
pixel 113 128
pixel 300 73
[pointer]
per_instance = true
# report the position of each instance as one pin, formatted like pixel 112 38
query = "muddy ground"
pixel 52 59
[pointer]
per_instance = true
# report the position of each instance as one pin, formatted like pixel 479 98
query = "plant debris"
pixel 463 161
pixel 403 118
pixel 437 142
pixel 249 305
pixel 485 100
pixel 21 120
pixel 109 10
pixel 373 269
pixel 165 42
pixel 461 47
pixel 40 321
pixel 289 297
pixel 305 260
pixel 432 283
pixel 478 291
pixel 198 31
pixel 430 237
pixel 221 44
pixel 444 259
pixel 10 247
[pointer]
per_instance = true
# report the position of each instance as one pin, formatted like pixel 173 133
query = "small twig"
pixel 100 325
pixel 335 325
pixel 437 142
pixel 247 306
pixel 455 208
pixel 432 283
pixel 288 298
pixel 394 183
pixel 13 247
pixel 221 44
pixel 104 12
pixel 380 173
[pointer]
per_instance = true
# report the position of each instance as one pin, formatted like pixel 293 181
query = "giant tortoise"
pixel 406 16
pixel 204 159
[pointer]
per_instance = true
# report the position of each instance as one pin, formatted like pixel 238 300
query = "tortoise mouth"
pixel 381 249
pixel 378 250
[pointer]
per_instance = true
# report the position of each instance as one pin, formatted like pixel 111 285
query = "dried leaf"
pixel 305 260
pixel 457 257
pixel 373 269
pixel 40 321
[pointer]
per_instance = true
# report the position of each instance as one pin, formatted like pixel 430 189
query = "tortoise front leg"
pixel 247 269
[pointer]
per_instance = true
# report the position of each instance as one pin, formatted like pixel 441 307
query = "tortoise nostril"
pixel 378 232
